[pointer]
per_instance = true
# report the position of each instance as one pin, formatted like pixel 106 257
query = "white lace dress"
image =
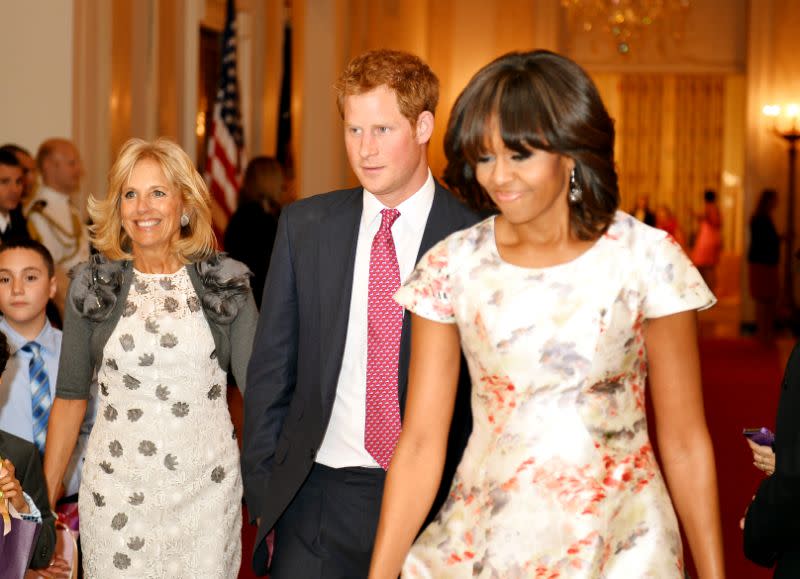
pixel 161 490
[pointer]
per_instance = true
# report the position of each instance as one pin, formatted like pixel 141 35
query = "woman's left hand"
pixel 763 457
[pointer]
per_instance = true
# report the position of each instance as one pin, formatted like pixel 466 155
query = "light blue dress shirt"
pixel 16 413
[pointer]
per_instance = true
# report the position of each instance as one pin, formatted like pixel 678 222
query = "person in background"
pixel 12 183
pixel 666 220
pixel 642 211
pixel 29 172
pixel 251 230
pixel 565 309
pixel 707 247
pixel 160 317
pixel 762 263
pixel 22 483
pixel 53 217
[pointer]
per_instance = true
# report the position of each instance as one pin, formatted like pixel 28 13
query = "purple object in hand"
pixel 762 436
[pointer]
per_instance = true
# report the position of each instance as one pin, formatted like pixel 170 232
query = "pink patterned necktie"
pixel 384 324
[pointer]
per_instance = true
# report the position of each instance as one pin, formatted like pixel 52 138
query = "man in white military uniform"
pixel 52 216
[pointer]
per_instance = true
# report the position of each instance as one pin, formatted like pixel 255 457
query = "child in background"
pixel 27 282
pixel 24 486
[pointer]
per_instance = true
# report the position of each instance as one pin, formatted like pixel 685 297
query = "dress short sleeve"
pixel 673 284
pixel 428 291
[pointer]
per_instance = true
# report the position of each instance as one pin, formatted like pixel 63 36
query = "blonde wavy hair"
pixel 196 241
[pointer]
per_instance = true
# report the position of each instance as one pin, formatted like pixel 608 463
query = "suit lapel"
pixel 336 251
pixel 440 222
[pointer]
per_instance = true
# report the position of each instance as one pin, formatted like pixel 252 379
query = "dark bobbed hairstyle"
pixel 36 247
pixel 541 100
pixel 766 202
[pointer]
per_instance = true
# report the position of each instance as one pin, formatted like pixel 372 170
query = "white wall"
pixel 36 59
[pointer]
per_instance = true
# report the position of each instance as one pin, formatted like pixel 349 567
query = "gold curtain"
pixel 640 142
pixel 670 141
pixel 700 104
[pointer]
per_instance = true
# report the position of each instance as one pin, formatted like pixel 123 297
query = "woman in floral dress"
pixel 160 318
pixel 565 308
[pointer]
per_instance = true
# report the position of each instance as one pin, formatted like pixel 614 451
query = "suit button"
pixel 312 453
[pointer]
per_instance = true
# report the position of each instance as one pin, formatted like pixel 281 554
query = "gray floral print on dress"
pixel 218 474
pixel 99 500
pixel 135 414
pixel 126 340
pixel 194 303
pixel 111 363
pixel 103 389
pixel 129 309
pixel 146 359
pixel 215 392
pixel 151 326
pixel 166 283
pixel 171 304
pixel 136 499
pixel 110 413
pixel 140 285
pixel 115 448
pixel 107 468
pixel 119 521
pixel 169 341
pixel 147 448
pixel 121 561
pixel 180 409
pixel 135 543
pixel 162 392
pixel 171 461
pixel 130 382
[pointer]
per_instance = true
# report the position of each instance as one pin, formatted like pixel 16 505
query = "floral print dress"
pixel 558 478
pixel 161 489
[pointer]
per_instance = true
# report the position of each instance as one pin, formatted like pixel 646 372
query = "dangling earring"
pixel 185 220
pixel 575 192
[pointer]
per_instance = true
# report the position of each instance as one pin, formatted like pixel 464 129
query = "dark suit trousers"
pixel 328 530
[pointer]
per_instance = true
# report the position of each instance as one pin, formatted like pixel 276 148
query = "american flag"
pixel 226 141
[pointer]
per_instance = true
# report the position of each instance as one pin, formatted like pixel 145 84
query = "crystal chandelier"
pixel 626 20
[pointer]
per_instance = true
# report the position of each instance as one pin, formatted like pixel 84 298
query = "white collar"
pixel 413 211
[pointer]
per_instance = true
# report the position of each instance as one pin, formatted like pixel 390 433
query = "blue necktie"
pixel 40 393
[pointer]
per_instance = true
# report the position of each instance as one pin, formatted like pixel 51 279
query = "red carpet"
pixel 741 386
pixel 741 382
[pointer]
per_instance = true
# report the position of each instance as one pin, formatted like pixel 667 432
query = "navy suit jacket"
pixel 28 471
pixel 299 343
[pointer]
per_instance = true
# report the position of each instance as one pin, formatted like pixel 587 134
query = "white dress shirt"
pixel 343 444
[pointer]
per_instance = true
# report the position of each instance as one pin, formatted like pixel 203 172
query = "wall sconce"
pixel 784 124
